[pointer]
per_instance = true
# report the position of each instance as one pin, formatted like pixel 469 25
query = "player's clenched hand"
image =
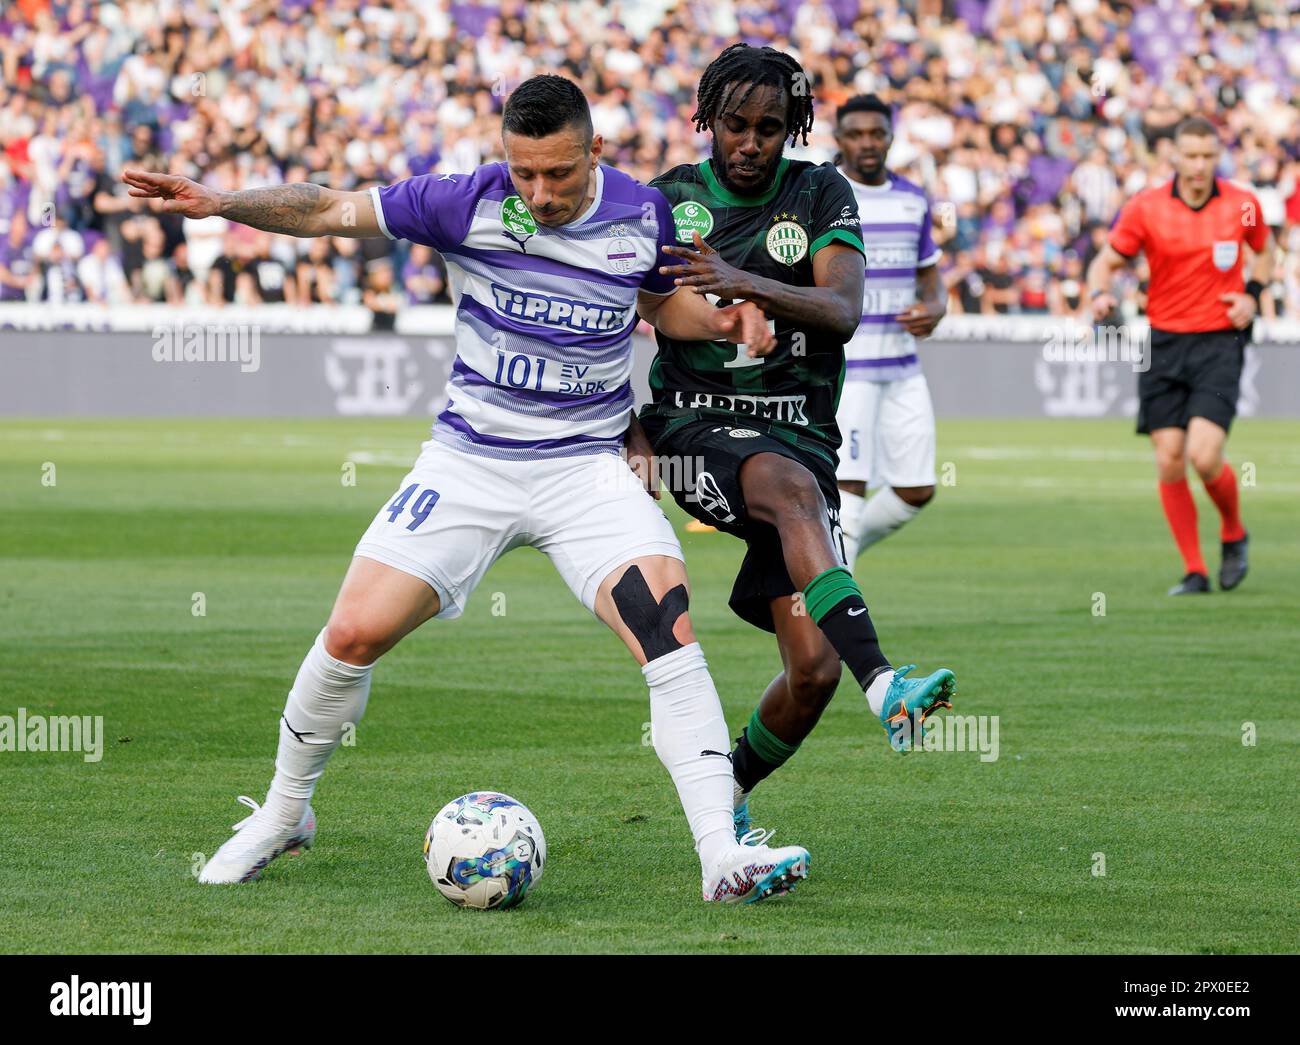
pixel 921 319
pixel 1241 309
pixel 179 195
pixel 744 323
pixel 705 272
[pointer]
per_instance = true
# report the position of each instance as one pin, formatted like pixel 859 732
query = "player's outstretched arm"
pixel 300 209
pixel 834 303
pixel 690 317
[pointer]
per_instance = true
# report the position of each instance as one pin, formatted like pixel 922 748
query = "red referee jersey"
pixel 1194 255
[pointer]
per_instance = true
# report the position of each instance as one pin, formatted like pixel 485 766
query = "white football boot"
pixel 257 841
pixel 754 871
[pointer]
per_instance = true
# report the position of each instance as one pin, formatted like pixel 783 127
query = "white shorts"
pixel 888 432
pixel 455 514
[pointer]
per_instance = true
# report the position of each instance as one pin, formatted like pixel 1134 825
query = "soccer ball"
pixel 484 850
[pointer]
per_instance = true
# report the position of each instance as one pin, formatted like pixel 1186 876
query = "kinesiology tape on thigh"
pixel 651 622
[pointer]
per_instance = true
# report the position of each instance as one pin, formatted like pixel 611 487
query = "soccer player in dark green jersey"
pixel 760 428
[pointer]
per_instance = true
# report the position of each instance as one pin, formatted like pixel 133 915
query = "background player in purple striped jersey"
pixel 885 415
pixel 551 256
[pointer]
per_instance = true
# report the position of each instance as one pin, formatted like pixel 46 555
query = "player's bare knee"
pixel 1207 462
pixel 349 640
pixel 916 496
pixel 660 626
pixel 1171 466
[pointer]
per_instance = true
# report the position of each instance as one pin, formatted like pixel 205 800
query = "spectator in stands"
pixel 1033 121
pixel 18 273
pixel 270 274
pixel 1000 295
pixel 314 275
pixel 186 286
pixel 380 296
pixel 57 234
pixel 422 278
pixel 153 279
pixel 58 277
pixel 101 277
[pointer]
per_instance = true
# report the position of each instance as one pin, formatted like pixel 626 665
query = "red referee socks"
pixel 1223 491
pixel 1180 510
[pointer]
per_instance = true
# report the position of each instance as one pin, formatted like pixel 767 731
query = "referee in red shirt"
pixel 1191 230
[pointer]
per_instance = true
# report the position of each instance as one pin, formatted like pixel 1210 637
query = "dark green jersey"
pixel 792 393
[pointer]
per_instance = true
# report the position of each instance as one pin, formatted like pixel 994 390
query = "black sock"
pixel 854 639
pixel 835 603
pixel 747 766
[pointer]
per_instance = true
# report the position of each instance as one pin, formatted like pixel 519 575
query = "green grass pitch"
pixel 1119 735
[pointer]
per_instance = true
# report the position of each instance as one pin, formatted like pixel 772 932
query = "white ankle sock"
pixel 326 695
pixel 686 719
pixel 885 513
pixel 877 689
pixel 853 508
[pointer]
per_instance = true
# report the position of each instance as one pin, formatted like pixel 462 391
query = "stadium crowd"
pixel 1028 121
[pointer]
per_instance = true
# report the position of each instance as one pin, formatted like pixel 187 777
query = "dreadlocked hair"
pixel 742 66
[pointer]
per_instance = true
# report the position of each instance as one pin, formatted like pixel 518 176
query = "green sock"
pixel 767 745
pixel 827 590
pixel 758 754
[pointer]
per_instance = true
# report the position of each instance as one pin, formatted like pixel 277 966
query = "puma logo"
pixel 297 736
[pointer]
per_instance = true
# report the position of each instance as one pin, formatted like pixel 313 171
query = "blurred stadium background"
pixel 1028 121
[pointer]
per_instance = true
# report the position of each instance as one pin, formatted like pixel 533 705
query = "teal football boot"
pixel 909 702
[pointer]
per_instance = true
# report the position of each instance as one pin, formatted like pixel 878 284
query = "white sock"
pixel 853 509
pixel 686 719
pixel 885 513
pixel 326 695
pixel 877 689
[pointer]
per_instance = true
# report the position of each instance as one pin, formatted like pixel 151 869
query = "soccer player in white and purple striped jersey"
pixel 885 416
pixel 551 258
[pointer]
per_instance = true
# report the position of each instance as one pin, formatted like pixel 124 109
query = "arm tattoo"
pixel 282 208
pixel 834 306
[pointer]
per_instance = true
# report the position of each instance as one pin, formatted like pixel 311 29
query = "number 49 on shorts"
pixel 420 509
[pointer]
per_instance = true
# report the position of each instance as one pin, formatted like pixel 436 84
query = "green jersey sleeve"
pixel 835 213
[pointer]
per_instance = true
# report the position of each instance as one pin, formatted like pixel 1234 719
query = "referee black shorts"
pixel 1191 375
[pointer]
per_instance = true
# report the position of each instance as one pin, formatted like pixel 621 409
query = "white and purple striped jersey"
pixel 896 232
pixel 544 316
